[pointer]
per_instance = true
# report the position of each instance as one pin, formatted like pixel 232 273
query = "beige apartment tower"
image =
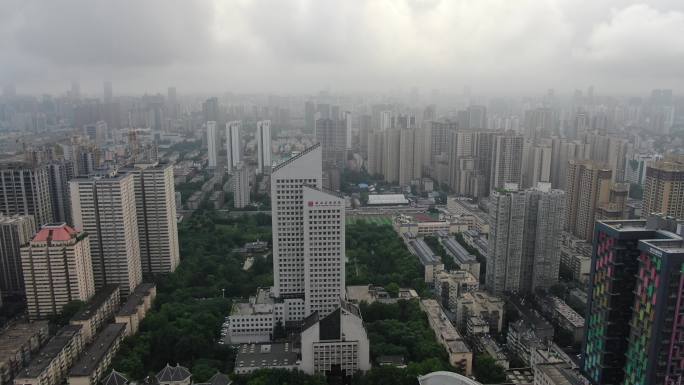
pixel 664 188
pixel 155 206
pixel 104 207
pixel 588 187
pixel 57 270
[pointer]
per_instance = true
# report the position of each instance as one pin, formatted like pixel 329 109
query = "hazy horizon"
pixel 495 47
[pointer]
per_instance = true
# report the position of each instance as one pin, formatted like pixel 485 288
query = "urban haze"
pixel 409 192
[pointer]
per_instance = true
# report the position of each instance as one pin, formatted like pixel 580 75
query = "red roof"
pixel 59 232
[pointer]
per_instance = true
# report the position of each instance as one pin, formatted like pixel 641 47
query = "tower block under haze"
pixel 233 144
pixel 104 207
pixel 263 138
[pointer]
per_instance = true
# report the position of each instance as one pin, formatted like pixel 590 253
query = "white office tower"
pixel 233 144
pixel 308 234
pixel 212 144
pixel 104 208
pixel 348 123
pixel 155 201
pixel 241 186
pixel 264 146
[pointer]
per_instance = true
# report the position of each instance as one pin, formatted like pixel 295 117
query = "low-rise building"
pixel 477 240
pixel 252 321
pixel 336 342
pixel 50 366
pixel 367 293
pixel 461 257
pixel 134 310
pixel 91 367
pixel 480 304
pixel 485 344
pixel 18 344
pixel 460 355
pixel 423 224
pixel 98 311
pixel 450 285
pixel 432 263
pixel 251 357
pixel 575 258
pixel 565 317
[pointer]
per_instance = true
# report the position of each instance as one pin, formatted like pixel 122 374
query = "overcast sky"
pixel 494 46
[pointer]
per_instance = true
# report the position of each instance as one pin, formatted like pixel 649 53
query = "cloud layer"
pixel 494 46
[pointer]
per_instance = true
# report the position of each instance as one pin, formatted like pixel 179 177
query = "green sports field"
pixel 378 220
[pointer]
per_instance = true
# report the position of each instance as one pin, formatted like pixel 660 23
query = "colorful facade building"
pixel 633 303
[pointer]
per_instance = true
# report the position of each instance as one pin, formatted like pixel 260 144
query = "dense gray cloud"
pixel 497 46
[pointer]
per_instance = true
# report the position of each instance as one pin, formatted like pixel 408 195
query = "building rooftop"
pixel 114 378
pixel 55 232
pixel 445 378
pixel 173 373
pixel 17 335
pixel 387 199
pixel 567 312
pixel 92 357
pixel 424 253
pixel 50 351
pixel 561 374
pixel 96 302
pixel 262 303
pixel 265 355
pixel 459 253
pixel 135 299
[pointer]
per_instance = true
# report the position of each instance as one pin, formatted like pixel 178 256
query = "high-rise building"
pixel 664 188
pixel 155 201
pixel 60 173
pixel 391 155
pixel 263 137
pixel 331 134
pixel 506 227
pixel 25 190
pixel 15 232
pixel 544 223
pixel 233 144
pixel 308 235
pixel 210 110
pixel 537 167
pixel 410 155
pixel 105 208
pixel 633 313
pixel 385 120
pixel 507 158
pixel 524 239
pixel 212 144
pixel 57 270
pixel 477 117
pixel 588 186
pixel 348 130
pixel 241 186
pixel 376 146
